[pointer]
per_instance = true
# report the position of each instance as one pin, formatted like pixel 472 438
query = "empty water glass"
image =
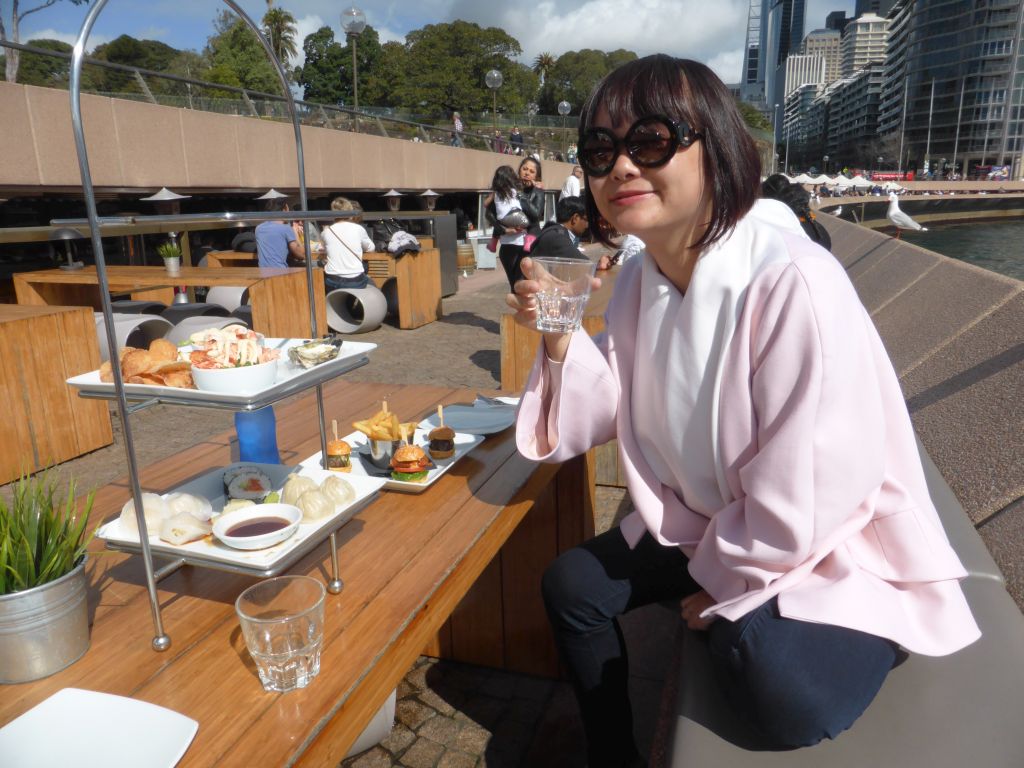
pixel 564 290
pixel 283 624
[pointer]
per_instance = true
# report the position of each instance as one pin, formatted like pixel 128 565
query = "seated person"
pixel 561 237
pixel 778 187
pixel 346 241
pixel 276 242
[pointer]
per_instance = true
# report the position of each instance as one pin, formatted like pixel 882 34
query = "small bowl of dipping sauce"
pixel 258 526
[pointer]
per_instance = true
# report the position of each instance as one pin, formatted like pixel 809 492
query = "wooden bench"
pixel 411 282
pixel 949 712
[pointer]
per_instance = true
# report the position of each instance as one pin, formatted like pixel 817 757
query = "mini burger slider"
pixel 409 464
pixel 339 456
pixel 442 442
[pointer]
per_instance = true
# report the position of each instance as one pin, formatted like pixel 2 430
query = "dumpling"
pixel 234 504
pixel 295 487
pixel 154 509
pixel 314 505
pixel 338 490
pixel 197 506
pixel 183 528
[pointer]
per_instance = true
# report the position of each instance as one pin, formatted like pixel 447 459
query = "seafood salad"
pixel 232 346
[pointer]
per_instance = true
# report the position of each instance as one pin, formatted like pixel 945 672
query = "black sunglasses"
pixel 650 142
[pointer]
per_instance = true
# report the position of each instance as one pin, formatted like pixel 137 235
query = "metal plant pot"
pixel 44 629
pixel 173 265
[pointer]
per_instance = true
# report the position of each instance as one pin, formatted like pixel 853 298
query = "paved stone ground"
pixel 448 715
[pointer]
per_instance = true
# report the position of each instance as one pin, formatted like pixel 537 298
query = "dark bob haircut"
pixel 689 92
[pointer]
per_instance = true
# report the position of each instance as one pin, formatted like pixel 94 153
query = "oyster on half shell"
pixel 316 351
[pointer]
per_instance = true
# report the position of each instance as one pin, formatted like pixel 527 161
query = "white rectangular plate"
pixel 290 378
pixel 361 466
pixel 77 728
pixel 210 551
pixel 483 417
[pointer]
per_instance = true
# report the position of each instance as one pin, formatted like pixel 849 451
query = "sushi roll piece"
pixel 232 472
pixel 253 485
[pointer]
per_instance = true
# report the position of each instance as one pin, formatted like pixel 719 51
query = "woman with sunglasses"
pixel 764 438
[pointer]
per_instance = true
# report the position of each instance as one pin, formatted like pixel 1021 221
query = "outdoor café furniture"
pixel 356 310
pixel 279 297
pixel 453 571
pixel 130 330
pixel 216 259
pixel 411 282
pixel 45 422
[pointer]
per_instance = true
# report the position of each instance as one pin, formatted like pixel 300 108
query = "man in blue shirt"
pixel 275 240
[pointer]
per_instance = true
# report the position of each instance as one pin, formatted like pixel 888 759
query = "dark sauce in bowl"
pixel 258 526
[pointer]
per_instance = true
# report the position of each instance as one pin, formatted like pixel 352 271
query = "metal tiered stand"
pixel 161 641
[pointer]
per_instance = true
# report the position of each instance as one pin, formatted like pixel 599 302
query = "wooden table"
pixel 519 349
pixel 412 280
pixel 216 259
pixel 45 422
pixel 456 568
pixel 279 298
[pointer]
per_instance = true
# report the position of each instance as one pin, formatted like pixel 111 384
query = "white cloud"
pixel 64 37
pixel 728 65
pixel 304 26
pixel 152 32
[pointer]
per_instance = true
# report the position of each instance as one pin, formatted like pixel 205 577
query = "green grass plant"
pixel 42 536
pixel 168 251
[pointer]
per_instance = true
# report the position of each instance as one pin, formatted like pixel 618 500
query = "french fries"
pixel 384 425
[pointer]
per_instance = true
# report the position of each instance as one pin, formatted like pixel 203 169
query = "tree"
pixel 126 50
pixel 446 64
pixel 236 57
pixel 753 117
pixel 575 74
pixel 368 52
pixel 542 64
pixel 380 85
pixel 47 71
pixel 319 76
pixel 279 27
pixel 13 21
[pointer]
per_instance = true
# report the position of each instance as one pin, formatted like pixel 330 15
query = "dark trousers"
pixel 334 282
pixel 510 257
pixel 794 682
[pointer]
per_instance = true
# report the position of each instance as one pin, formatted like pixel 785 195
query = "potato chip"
pixel 106 373
pixel 136 362
pixel 181 378
pixel 162 349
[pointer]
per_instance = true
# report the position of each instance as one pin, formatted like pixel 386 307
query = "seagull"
pixel 837 211
pixel 899 219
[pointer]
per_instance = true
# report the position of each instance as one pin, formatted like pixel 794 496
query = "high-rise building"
pixel 853 117
pixel 824 43
pixel 863 43
pixel 894 71
pixel 960 64
pixel 877 7
pixel 837 20
pixel 803 70
pixel 774 30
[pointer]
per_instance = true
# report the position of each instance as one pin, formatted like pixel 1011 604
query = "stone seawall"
pixel 955 334
pixel 871 211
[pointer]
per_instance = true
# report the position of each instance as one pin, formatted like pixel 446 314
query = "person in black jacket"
pixel 531 196
pixel 560 238
pixel 778 187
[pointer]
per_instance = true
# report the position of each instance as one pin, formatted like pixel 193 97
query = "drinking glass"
pixel 565 288
pixel 283 624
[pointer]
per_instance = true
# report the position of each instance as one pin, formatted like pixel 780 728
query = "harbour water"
pixel 993 245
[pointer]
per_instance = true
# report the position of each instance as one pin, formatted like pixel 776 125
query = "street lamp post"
pixel 775 115
pixel 563 109
pixel 353 22
pixel 494 81
pixel 824 162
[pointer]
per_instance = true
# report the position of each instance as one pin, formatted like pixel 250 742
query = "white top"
pixel 630 245
pixel 571 188
pixel 503 206
pixel 346 242
pixel 685 343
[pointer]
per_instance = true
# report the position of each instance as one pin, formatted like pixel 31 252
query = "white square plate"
pixel 482 418
pixel 87 729
pixel 361 466
pixel 210 550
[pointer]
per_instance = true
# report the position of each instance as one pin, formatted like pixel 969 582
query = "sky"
pixel 689 28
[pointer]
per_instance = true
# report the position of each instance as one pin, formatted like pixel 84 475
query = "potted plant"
pixel 44 619
pixel 170 252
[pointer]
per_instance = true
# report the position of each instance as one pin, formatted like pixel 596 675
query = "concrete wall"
pixel 133 145
pixel 955 334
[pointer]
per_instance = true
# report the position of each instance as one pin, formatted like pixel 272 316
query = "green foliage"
pixel 575 74
pixel 319 76
pixel 237 58
pixel 46 71
pixel 130 52
pixel 279 28
pixel 42 537
pixel 8 21
pixel 446 64
pixel 753 117
pixel 381 84
pixel 168 250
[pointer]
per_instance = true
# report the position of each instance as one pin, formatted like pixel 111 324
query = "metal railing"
pixel 166 89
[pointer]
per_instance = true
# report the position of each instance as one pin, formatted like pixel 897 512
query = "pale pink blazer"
pixel 830 508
